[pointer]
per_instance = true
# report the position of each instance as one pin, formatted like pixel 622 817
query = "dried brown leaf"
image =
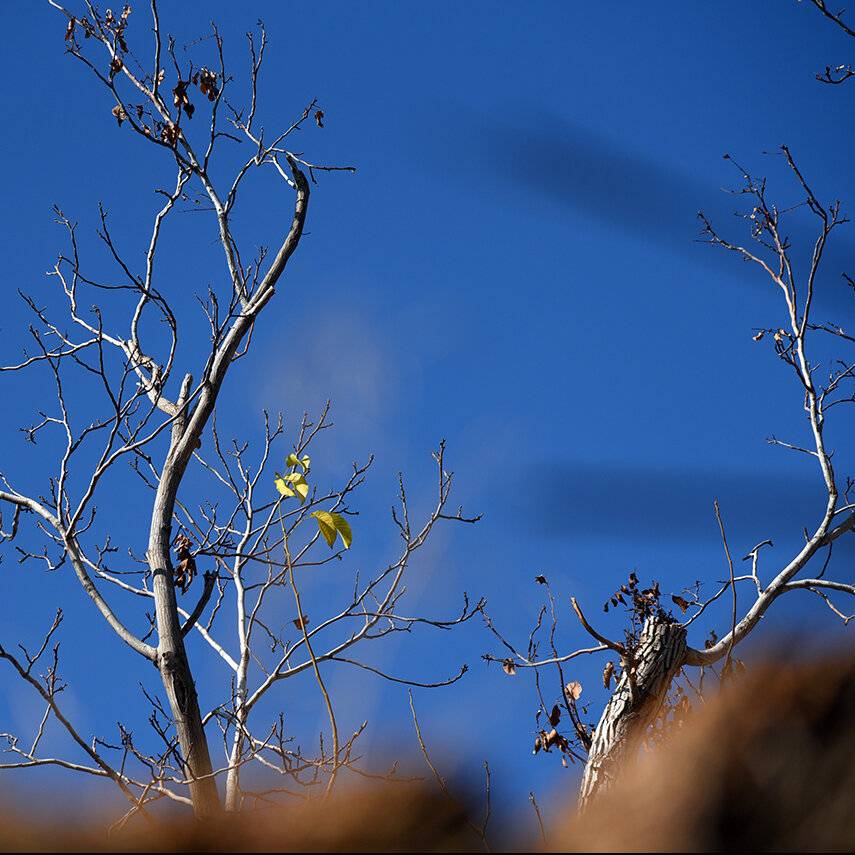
pixel 680 602
pixel 119 114
pixel 206 80
pixel 608 671
pixel 573 690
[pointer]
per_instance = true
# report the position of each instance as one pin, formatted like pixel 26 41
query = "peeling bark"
pixel 633 707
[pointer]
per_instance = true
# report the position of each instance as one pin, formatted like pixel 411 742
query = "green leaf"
pixel 305 461
pixel 332 525
pixel 343 527
pixel 301 486
pixel 293 484
pixel 326 525
pixel 282 486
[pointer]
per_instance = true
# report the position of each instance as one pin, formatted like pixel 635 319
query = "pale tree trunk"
pixel 187 430
pixel 233 792
pixel 171 656
pixel 634 705
pixel 184 705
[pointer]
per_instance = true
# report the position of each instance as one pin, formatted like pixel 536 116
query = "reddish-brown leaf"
pixel 680 602
pixel 608 671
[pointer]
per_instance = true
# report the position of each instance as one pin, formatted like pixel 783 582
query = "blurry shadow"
pixel 587 501
pixel 604 178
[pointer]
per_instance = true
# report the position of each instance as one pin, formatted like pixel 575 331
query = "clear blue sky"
pixel 513 267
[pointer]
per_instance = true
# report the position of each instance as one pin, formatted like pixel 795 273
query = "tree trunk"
pixel 634 705
pixel 187 429
pixel 183 702
pixel 233 794
pixel 171 656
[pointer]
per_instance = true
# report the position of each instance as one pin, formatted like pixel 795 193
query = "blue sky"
pixel 514 267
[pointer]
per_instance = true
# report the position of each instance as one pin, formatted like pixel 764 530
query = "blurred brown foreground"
pixel 769 765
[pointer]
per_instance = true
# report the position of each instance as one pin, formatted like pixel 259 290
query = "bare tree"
pixel 252 530
pixel 651 668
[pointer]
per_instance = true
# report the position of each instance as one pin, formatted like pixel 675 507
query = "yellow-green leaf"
pixel 293 484
pixel 301 487
pixel 305 461
pixel 282 486
pixel 343 528
pixel 332 525
pixel 326 525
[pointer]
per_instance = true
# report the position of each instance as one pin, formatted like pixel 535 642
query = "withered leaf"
pixel 206 80
pixel 119 113
pixel 555 716
pixel 116 65
pixel 69 30
pixel 301 621
pixel 179 94
pixel 554 738
pixel 759 335
pixel 508 667
pixel 538 744
pixel 169 134
pixel 608 671
pixel 541 580
pixel 319 118
pixel 573 690
pixel 680 602
pixel 185 571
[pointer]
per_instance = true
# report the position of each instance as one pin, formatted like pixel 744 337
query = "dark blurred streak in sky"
pixel 612 502
pixel 576 167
